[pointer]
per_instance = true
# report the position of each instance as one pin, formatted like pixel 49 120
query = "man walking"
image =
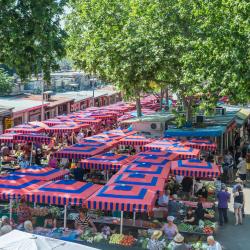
pixel 223 198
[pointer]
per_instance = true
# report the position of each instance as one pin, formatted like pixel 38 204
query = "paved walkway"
pixel 236 237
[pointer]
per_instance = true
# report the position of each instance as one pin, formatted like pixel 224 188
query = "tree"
pixel 31 37
pixel 6 83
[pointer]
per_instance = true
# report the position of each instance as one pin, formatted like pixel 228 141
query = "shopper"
pixel 223 198
pixel 212 244
pixel 178 243
pixel 238 205
pixel 154 243
pixel 242 170
pixel 170 229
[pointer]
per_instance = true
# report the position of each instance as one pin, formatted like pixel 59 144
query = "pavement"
pixel 234 237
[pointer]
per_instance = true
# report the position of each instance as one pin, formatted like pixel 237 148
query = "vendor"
pixel 202 193
pixel 164 198
pixel 83 221
pixel 200 213
pixel 170 229
pixel 190 216
pixel 50 222
pixel 23 212
pixel 28 227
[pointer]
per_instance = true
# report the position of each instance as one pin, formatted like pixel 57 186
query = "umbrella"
pixel 121 132
pixel 160 153
pixel 63 192
pixel 195 168
pixel 81 151
pixel 88 120
pixel 8 137
pixel 160 144
pixel 42 173
pixel 106 161
pixel 14 186
pixel 184 152
pixel 26 129
pixel 39 124
pixel 147 169
pixel 122 198
pixel 26 241
pixel 36 138
pixel 150 182
pixel 53 122
pixel 135 140
pixel 64 128
pixel 202 144
pixel 102 138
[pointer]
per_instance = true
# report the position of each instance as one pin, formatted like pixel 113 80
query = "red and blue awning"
pixel 106 161
pixel 25 129
pixel 88 120
pixel 53 122
pixel 14 186
pixel 201 144
pixel 195 168
pixel 102 138
pixel 184 152
pixel 82 151
pixel 147 169
pixel 121 132
pixel 123 198
pixel 150 182
pixel 8 137
pixel 42 173
pixel 134 140
pixel 64 128
pixel 160 153
pixel 163 144
pixel 63 192
pixel 36 138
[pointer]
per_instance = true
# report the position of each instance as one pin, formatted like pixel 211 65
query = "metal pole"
pixel 93 96
pixel 65 217
pixel 221 145
pixel 42 113
pixel 121 225
pixel 10 209
pixel 134 216
pixel 31 152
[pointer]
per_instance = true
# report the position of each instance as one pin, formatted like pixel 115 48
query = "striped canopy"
pixel 106 161
pixel 160 153
pixel 53 122
pixel 103 116
pixel 150 182
pixel 82 151
pixel 184 152
pixel 195 168
pixel 8 137
pixel 147 169
pixel 121 132
pixel 42 173
pixel 14 186
pixel 135 140
pixel 122 198
pixel 63 192
pixel 155 159
pixel 88 120
pixel 26 129
pixel 64 128
pixel 202 144
pixel 125 117
pixel 102 138
pixel 37 138
pixel 160 144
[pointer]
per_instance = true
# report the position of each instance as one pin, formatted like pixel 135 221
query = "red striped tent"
pixel 184 152
pixel 64 128
pixel 121 132
pixel 36 138
pixel 53 122
pixel 195 168
pixel 14 186
pixel 106 161
pixel 63 192
pixel 201 144
pixel 159 153
pixel 42 173
pixel 150 182
pixel 163 144
pixel 134 140
pixel 25 129
pixel 8 137
pixel 123 198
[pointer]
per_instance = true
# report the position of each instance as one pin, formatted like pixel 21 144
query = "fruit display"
pixel 116 239
pixel 208 230
pixel 211 212
pixel 40 211
pixel 183 227
pixel 128 240
pixel 199 246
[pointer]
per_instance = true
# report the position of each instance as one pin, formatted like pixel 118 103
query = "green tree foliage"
pixel 31 37
pixel 6 83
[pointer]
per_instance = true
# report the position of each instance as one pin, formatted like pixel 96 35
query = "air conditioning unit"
pixel 155 126
pixel 200 118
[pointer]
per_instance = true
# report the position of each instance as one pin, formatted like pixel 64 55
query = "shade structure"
pixel 103 116
pixel 122 198
pixel 160 144
pixel 53 122
pixel 195 168
pixel 14 186
pixel 81 151
pixel 160 153
pixel 102 138
pixel 26 129
pixel 88 120
pixel 134 140
pixel 125 117
pixel 64 128
pixel 155 159
pixel 8 137
pixel 106 161
pixel 121 132
pixel 36 138
pixel 40 124
pixel 64 192
pixel 184 152
pixel 42 173
pixel 147 169
pixel 202 144
pixel 150 182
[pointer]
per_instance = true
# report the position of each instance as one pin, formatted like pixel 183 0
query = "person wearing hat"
pixel 170 229
pixel 154 243
pixel 212 244
pixel 178 243
pixel 242 169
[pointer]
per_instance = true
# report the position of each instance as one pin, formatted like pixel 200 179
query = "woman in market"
pixel 50 222
pixel 154 243
pixel 200 213
pixel 23 213
pixel 202 193
pixel 190 216
pixel 238 205
pixel 170 229
pixel 178 243
pixel 83 221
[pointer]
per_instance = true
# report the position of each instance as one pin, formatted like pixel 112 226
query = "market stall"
pixel 184 152
pixel 121 132
pixel 202 144
pixel 106 161
pixel 53 121
pixel 34 138
pixel 66 128
pixel 163 144
pixel 8 137
pixel 134 140
pixel 25 129
pixel 42 173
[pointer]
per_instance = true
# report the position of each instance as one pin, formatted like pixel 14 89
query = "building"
pixel 6 120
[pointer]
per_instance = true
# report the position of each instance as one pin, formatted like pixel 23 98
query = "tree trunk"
pixel 138 106
pixel 167 99
pixel 161 98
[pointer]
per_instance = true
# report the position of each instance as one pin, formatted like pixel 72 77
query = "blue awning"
pixel 196 132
